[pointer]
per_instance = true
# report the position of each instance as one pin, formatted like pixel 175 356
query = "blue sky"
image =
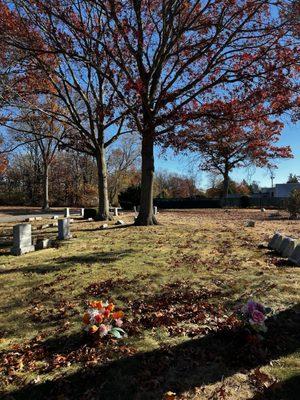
pixel 290 136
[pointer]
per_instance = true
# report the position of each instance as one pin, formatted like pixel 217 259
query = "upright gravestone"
pixel 82 212
pixel 155 211
pixel 67 213
pixel 275 241
pixel 64 229
pixel 22 240
pixel 295 257
pixel 287 247
pixel 116 214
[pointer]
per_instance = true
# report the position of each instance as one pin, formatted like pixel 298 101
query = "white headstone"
pixel 55 217
pixel 104 226
pixel 22 240
pixel 155 210
pixel 116 214
pixel 67 212
pixel 64 229
pixel 295 257
pixel 82 212
pixel 120 222
pixel 134 209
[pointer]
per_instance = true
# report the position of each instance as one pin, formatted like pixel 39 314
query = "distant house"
pixel 281 190
pixel 285 189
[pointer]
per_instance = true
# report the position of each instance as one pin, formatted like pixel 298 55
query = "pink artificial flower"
pixel 258 317
pixel 103 330
pixel 119 322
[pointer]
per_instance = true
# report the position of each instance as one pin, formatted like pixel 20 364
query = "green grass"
pixel 204 257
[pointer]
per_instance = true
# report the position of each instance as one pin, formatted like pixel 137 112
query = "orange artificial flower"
pixel 86 319
pixel 99 318
pixel 96 304
pixel 110 307
pixel 118 315
pixel 106 313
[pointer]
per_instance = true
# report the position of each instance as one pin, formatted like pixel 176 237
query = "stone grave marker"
pixel 55 217
pixel 155 210
pixel 104 226
pixel 22 240
pixel 67 212
pixel 64 229
pixel 120 222
pixel 287 247
pixel 295 257
pixel 43 244
pixel 273 241
pixel 116 213
pixel 82 212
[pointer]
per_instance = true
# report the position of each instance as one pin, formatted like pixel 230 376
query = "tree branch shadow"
pixel 68 262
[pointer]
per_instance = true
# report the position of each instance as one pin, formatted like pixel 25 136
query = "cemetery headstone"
pixel 295 257
pixel 287 247
pixel 67 212
pixel 155 211
pixel 43 244
pixel 55 217
pixel 273 241
pixel 22 240
pixel 90 219
pixel 104 226
pixel 64 229
pixel 116 214
pixel 82 212
pixel 120 222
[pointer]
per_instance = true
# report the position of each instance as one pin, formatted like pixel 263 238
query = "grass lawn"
pixel 178 284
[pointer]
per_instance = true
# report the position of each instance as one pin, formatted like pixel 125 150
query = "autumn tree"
pixel 177 55
pixel 39 128
pixel 76 76
pixel 238 138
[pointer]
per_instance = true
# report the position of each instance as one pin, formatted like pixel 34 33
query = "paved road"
pixel 16 218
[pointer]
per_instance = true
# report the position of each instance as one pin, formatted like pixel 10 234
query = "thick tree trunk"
pixel 146 216
pixel 46 205
pixel 103 207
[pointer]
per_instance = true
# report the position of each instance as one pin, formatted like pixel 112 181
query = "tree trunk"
pixel 103 208
pixel 146 216
pixel 46 205
pixel 225 187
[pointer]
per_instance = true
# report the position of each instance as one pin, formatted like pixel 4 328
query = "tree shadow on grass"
pixel 179 368
pixel 68 262
pixel 286 390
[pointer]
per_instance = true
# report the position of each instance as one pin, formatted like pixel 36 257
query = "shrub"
pixel 90 213
pixel 293 205
pixel 245 202
pixel 130 197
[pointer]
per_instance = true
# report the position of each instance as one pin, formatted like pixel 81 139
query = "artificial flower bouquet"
pixel 101 319
pixel 254 316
